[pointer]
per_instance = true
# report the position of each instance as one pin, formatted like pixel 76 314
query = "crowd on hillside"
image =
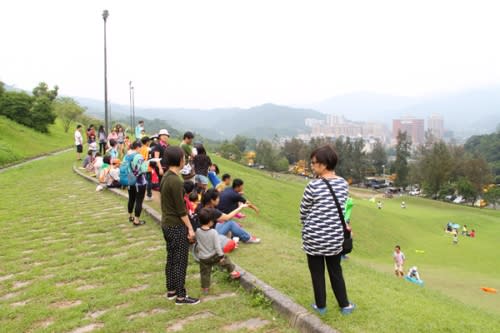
pixel 199 208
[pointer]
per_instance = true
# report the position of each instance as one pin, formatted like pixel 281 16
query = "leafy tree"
pixel 240 142
pixel 295 150
pixel 466 190
pixel 41 114
pixel 492 195
pixel 270 157
pixel 478 173
pixel 68 110
pixel 17 106
pixel 402 155
pixel 42 90
pixel 359 160
pixel 2 88
pixel 435 166
pixel 230 151
pixel 378 157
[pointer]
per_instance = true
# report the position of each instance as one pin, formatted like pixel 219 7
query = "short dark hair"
pixel 225 176
pixel 78 126
pixel 107 159
pixel 193 196
pixel 145 139
pixel 174 155
pixel 188 135
pixel 325 155
pixel 188 186
pixel 216 168
pixel 112 142
pixel 136 144
pixel 141 121
pixel 237 183
pixel 206 215
pixel 398 247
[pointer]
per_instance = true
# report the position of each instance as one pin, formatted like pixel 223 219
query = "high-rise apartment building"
pixel 414 128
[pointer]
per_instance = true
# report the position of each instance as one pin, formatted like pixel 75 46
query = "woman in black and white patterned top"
pixel 322 232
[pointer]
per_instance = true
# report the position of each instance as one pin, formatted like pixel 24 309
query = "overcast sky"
pixel 244 53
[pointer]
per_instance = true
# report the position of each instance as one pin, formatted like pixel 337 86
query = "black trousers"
pixel 317 269
pixel 136 198
pixel 102 148
pixel 177 258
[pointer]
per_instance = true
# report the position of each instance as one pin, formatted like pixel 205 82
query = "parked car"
pixel 415 192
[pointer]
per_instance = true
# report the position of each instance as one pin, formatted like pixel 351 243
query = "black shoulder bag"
pixel 347 245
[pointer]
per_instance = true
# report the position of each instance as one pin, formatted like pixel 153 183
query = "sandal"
pixel 141 222
pixel 131 219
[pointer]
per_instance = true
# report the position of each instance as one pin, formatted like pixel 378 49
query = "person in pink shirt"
pixel 399 260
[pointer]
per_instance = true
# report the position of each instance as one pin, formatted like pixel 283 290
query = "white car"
pixel 415 192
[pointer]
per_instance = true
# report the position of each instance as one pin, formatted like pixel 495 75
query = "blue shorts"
pixel 201 179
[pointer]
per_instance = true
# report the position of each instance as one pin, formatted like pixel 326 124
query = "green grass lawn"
pixel 70 259
pixel 451 300
pixel 18 142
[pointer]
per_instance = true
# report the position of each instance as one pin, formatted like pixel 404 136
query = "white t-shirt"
pixel 78 138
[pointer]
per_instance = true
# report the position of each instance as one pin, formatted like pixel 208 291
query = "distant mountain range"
pixel 466 113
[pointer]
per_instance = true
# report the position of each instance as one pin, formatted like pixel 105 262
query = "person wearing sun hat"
pixel 158 151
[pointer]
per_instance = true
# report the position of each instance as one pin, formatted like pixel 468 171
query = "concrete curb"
pixel 298 316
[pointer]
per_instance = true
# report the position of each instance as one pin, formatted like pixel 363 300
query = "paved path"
pixel 71 262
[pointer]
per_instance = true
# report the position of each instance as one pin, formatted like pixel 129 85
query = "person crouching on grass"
pixel 209 250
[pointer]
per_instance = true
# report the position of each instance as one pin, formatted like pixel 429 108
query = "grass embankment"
pixel 18 142
pixel 70 259
pixel 451 301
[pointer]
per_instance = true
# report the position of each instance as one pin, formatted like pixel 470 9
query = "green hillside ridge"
pixel 451 299
pixel 18 142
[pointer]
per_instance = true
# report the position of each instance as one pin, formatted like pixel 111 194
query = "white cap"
pixel 163 132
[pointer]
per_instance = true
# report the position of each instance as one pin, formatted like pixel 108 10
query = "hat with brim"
pixel 163 132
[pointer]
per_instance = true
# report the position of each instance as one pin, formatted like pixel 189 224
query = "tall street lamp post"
pixel 105 15
pixel 130 94
pixel 133 105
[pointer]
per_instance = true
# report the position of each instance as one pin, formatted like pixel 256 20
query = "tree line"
pixel 438 168
pixel 39 109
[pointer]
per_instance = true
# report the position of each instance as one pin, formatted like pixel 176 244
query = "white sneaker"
pixel 253 240
pixel 99 188
pixel 149 199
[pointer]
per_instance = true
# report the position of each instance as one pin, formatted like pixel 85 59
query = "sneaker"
pixel 253 240
pixel 149 199
pixel 187 300
pixel 321 311
pixel 171 295
pixel 348 309
pixel 236 275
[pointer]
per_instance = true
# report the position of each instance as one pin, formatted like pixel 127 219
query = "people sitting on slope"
pixel 225 224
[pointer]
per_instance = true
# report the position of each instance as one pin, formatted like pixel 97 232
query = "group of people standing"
pixel 173 170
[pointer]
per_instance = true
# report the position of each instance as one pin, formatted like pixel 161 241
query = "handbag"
pixel 347 245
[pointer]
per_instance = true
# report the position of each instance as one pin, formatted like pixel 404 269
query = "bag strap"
pixel 339 209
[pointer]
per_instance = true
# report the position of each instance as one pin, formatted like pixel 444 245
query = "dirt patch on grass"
pixel 86 287
pixel 122 306
pixel 145 314
pixel 42 324
pixel 155 248
pixel 66 304
pixel 20 303
pixel 250 324
pixel 9 296
pixel 179 325
pixel 88 328
pixel 96 314
pixel 20 284
pixel 217 297
pixel 136 289
pixel 6 277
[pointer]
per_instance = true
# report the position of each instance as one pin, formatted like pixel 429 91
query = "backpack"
pixel 127 176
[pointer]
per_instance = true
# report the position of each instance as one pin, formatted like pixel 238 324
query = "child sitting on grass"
pixel 209 250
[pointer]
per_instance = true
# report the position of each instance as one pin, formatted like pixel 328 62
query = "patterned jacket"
pixel 322 232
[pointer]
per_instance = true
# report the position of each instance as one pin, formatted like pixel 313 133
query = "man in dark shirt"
pixel 230 198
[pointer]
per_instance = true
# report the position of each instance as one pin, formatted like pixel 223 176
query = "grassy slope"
pixel 18 142
pixel 451 300
pixel 66 236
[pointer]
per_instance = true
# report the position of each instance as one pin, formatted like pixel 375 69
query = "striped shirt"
pixel 322 232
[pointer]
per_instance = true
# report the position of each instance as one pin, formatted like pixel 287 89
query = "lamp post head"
pixel 105 14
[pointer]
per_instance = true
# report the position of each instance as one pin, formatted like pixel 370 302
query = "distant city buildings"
pixel 414 128
pixel 435 126
pixel 337 126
